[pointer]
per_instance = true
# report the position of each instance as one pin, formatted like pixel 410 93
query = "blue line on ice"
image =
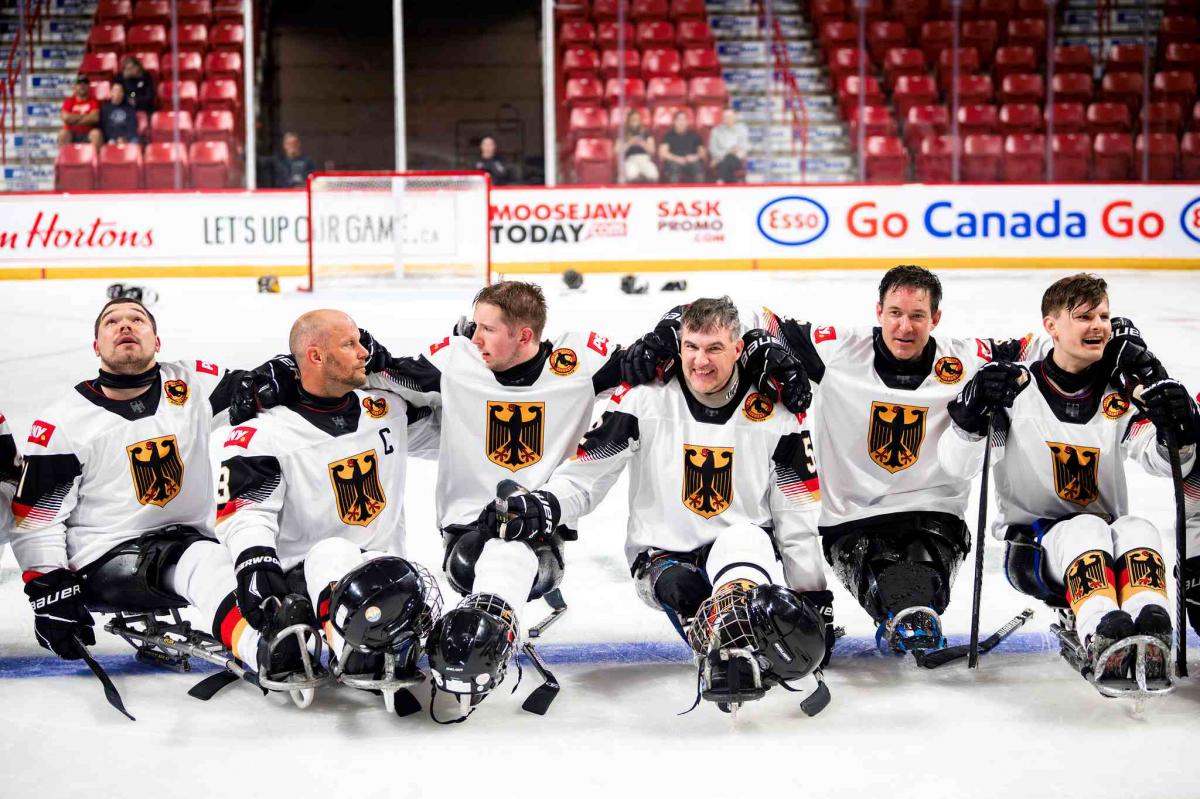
pixel 632 653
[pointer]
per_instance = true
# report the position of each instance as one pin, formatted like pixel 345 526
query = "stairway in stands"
pixel 58 31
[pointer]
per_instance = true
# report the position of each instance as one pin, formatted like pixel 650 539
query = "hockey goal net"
pixel 398 226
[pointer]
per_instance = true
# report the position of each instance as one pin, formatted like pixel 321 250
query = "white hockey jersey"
pixel 299 474
pixel 1046 466
pixel 10 472
pixel 516 425
pixel 876 439
pixel 695 471
pixel 100 471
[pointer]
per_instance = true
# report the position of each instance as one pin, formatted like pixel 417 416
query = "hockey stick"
pixel 110 691
pixel 1180 556
pixel 980 537
pixel 940 657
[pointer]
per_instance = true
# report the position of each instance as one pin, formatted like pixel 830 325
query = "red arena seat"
pixel 1174 86
pixel 211 166
pixel 578 33
pixel 227 36
pixel 152 12
pixel 913 90
pixel 120 167
pixel 188 94
pixel 1112 156
pixel 924 121
pixel 1122 87
pixel 158 165
pixel 1164 155
pixel 188 65
pixel 688 9
pixel 593 161
pixel 164 123
pixel 668 91
pixel 707 118
pixel 194 12
pixel 974 89
pixel 968 64
pixel 693 33
pixel 1189 150
pixel 107 37
pixel 1073 87
pixel 845 61
pixel 1029 33
pixel 707 91
pixel 1163 118
pixel 1178 28
pixel 1071 156
pixel 661 63
pixel 220 94
pixel 1066 118
pixel 580 62
pixel 1108 118
pixel 75 168
pixel 935 161
pixel 227 10
pixel 657 33
pixel 583 91
pixel 609 9
pixel 218 124
pixel 886 160
pixel 149 60
pixel 911 14
pixel 851 88
pixel 1125 58
pixel 1020 118
pixel 838 34
pixel 1025 157
pixel 1014 60
pixel 633 90
pixel 998 11
pixel 101 90
pixel 663 116
pixel 586 122
pixel 117 11
pixel 822 11
pixel 884 35
pixel 610 63
pixel 902 61
pixel 1073 58
pixel 978 118
pixel 982 35
pixel 98 66
pixel 701 62
pixel 877 120
pixel 649 9
pixel 1183 57
pixel 614 34
pixel 1024 88
pixel 146 37
pixel 193 38
pixel 935 37
pixel 982 157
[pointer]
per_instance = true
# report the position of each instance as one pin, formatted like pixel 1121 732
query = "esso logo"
pixel 1189 220
pixel 793 221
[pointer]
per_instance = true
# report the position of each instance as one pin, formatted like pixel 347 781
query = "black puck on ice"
pixel 631 285
pixel 573 279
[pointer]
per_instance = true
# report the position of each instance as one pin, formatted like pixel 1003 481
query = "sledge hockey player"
pixel 1059 443
pixel 706 554
pixel 115 506
pixel 10 473
pixel 310 502
pixel 891 521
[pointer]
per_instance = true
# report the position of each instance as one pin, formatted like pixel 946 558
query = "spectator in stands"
pixel 728 144
pixel 80 115
pixel 118 119
pixel 491 163
pixel 139 86
pixel 637 151
pixel 292 167
pixel 681 153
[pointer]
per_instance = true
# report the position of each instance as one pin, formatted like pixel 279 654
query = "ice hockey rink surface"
pixel 1023 725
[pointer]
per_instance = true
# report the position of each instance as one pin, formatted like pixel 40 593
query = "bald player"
pixel 310 502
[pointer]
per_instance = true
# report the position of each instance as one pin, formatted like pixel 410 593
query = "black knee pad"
pixel 901 561
pixel 129 576
pixel 465 544
pixel 680 586
pixel 1023 557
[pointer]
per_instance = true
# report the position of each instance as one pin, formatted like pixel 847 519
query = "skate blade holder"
pixel 743 694
pixel 388 687
pixel 300 689
pixel 154 638
pixel 913 641
pixel 1140 687
pixel 539 699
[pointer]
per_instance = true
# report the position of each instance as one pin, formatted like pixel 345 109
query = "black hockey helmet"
pixel 788 629
pixel 382 603
pixel 469 648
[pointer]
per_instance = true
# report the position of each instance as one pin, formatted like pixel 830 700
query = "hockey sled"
pixel 1138 648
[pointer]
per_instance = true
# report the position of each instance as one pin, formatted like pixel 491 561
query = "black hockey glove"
pixel 60 619
pixel 1173 412
pixel 530 516
pixel 653 356
pixel 776 372
pixel 377 354
pixel 464 327
pixel 994 386
pixel 259 579
pixel 823 602
pixel 276 382
pixel 1131 363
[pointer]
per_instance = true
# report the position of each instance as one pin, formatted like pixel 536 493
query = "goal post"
pixel 380 227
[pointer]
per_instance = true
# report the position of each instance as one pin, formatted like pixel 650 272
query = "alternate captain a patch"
pixel 895 435
pixel 1076 472
pixel 157 470
pixel 707 479
pixel 515 432
pixel 357 488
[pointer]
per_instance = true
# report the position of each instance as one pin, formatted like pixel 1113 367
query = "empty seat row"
pixel 108 37
pixel 687 33
pixel 581 62
pixel 655 92
pixel 159 11
pixel 637 10
pixel 186 66
pixel 917 11
pixel 1022 157
pixel 937 36
pixel 120 167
